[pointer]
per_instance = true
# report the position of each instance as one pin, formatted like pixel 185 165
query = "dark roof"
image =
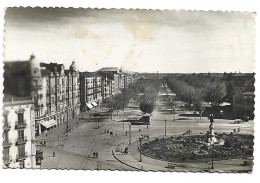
pixel 16 66
pixel 53 67
pixel 45 72
pixel 109 75
pixel 89 74
pixel 109 69
pixel 17 77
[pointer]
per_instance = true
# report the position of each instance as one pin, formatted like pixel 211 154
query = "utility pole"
pixel 123 121
pixel 140 140
pixel 129 133
pixel 165 119
pixel 212 157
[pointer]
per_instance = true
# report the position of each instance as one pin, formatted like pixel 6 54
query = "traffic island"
pixel 194 149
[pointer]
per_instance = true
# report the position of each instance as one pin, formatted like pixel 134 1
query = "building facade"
pixel 19 150
pixel 60 99
pixel 90 90
pixel 243 97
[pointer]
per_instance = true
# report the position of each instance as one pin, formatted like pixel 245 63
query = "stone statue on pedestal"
pixel 211 136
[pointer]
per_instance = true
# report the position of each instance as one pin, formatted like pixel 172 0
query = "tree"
pixel 199 107
pixel 111 104
pixel 215 92
pixel 146 107
pixel 229 91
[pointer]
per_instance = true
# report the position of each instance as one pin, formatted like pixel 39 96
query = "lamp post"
pixel 140 140
pixel 129 133
pixel 123 121
pixel 212 156
pixel 123 124
pixel 221 112
pixel 165 119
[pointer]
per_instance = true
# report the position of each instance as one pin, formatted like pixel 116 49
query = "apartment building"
pixel 243 97
pixel 19 149
pixel 60 99
pixel 115 76
pixel 91 90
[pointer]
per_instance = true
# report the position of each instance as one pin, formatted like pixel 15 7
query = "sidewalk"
pixel 60 131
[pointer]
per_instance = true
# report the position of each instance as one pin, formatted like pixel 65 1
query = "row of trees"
pixel 196 89
pixel 119 102
pixel 150 92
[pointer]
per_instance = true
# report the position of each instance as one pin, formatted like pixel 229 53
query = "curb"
pixel 126 163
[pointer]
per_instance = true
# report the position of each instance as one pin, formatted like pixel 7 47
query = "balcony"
pixel 20 125
pixel 21 141
pixel 22 156
pixel 7 159
pixel 6 144
pixel 7 126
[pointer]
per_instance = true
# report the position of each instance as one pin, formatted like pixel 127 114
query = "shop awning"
pixel 89 106
pixel 50 123
pixel 94 104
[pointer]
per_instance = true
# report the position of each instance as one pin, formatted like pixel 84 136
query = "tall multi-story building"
pixel 243 97
pixel 60 96
pixel 19 149
pixel 91 90
pixel 115 74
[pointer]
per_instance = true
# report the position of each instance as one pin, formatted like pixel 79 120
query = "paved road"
pixel 75 151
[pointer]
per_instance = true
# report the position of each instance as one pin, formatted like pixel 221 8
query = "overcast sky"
pixel 136 40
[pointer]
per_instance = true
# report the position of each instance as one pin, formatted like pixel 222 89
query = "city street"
pixel 75 151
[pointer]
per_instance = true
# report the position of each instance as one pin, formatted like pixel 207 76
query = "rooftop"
pixel 89 74
pixel 16 79
pixel 109 69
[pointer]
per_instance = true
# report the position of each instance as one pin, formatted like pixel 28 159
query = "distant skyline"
pixel 136 40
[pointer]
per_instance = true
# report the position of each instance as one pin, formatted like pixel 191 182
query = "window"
pixel 21 164
pixel 5 136
pixel 5 120
pixel 35 82
pixel 20 118
pixel 58 88
pixel 52 90
pixel 21 134
pixel 21 150
pixel 6 154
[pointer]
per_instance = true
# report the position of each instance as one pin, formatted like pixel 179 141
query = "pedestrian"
pixel 96 155
pixel 139 129
pixel 53 154
pixel 99 125
pixel 126 133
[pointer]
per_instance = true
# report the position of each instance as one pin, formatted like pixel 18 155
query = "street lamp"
pixel 123 124
pixel 123 121
pixel 129 124
pixel 212 152
pixel 165 119
pixel 221 112
pixel 140 140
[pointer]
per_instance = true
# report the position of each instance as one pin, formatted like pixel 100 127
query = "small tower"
pixel 73 67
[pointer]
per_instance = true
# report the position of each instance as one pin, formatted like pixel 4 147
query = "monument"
pixel 211 135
